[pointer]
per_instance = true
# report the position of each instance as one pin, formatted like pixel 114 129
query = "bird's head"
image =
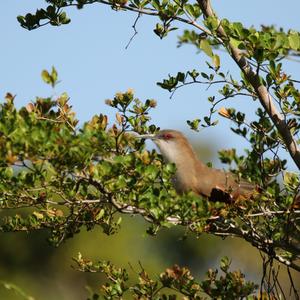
pixel 171 143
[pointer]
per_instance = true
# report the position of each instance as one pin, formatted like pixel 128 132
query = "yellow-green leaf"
pixel 54 75
pixel 206 47
pixel 294 40
pixel 46 76
pixel 216 61
pixel 235 43
pixel 38 215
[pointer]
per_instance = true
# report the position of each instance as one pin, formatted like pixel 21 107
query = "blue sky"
pixel 93 64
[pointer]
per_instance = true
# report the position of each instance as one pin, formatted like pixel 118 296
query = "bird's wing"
pixel 245 190
pixel 220 195
pixel 229 188
pixel 221 186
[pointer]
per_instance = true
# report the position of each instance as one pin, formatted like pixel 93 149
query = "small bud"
pixel 62 99
pixel 65 108
pixel 115 130
pixel 108 102
pixel 10 158
pixel 152 103
pixel 30 107
pixel 119 96
pixel 224 113
pixel 38 215
pixel 103 120
pixel 119 118
pixel 145 157
pixel 59 213
pixel 9 97
pixel 130 91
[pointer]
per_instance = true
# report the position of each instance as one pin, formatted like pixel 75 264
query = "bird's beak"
pixel 146 136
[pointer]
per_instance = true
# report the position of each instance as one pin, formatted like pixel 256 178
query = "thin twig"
pixel 292 284
pixel 134 29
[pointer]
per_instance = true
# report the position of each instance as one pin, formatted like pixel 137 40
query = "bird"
pixel 194 175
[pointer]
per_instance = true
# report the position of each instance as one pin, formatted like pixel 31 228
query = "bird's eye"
pixel 167 136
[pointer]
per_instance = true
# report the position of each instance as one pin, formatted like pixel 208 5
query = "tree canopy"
pixel 63 177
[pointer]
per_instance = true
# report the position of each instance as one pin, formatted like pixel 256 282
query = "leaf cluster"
pixel 62 178
pixel 171 284
pixel 74 177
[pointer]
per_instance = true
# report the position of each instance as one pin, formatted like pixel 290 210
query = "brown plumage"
pixel 194 175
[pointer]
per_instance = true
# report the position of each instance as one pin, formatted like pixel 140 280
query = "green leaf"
pixel 216 61
pixel 170 168
pixel 206 47
pixel 259 55
pixel 50 78
pixel 294 40
pixel 291 179
pixel 100 214
pixel 254 37
pixel 193 10
pixel 194 74
pixel 46 76
pixel 204 75
pixel 8 172
pixel 180 76
pixel 236 43
pixel 21 20
pixel 212 23
pixel 224 264
pixel 156 4
pixel 194 124
pixel 151 171
pixel 54 75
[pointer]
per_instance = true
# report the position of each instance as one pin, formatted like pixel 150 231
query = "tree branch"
pixel 149 12
pixel 260 89
pixel 217 227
